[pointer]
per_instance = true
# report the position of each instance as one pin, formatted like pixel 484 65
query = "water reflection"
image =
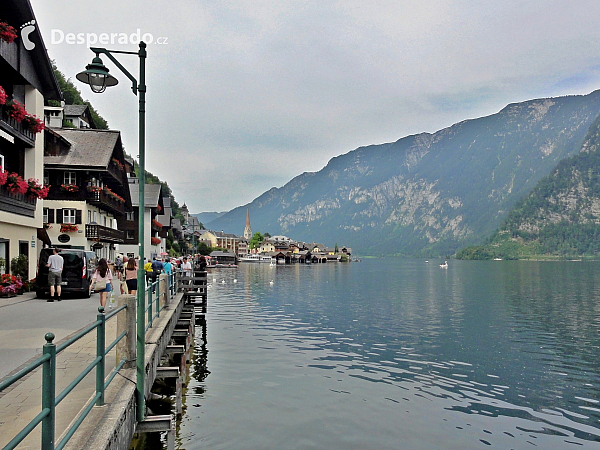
pixel 365 355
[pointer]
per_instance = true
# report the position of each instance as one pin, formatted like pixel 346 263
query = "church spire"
pixel 248 230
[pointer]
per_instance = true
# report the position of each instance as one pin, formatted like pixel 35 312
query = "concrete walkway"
pixel 24 320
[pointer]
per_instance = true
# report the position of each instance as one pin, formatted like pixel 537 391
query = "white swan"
pixel 445 265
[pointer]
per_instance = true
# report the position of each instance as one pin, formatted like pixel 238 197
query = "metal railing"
pixel 47 416
pixel 153 295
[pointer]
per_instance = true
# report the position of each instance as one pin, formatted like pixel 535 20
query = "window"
pixel 68 216
pixel 130 216
pixel 95 216
pixel 45 219
pixel 70 178
pixel 129 234
pixel 89 216
pixel 46 178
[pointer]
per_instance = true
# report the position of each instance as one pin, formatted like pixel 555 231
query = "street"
pixel 25 319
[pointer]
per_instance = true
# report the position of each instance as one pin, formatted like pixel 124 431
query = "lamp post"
pixel 97 76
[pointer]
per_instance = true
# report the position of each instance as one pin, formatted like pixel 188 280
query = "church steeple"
pixel 248 230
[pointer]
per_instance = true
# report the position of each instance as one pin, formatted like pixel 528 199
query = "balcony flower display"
pixel 15 184
pixel 18 112
pixel 35 124
pixel 69 187
pixel 94 189
pixel 68 228
pixel 157 223
pixel 7 33
pixel 8 285
pixel 110 193
pixel 119 163
pixel 37 190
pixel 155 241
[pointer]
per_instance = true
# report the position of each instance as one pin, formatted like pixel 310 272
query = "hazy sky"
pixel 245 95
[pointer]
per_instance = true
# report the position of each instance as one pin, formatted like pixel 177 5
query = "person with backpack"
pixel 102 281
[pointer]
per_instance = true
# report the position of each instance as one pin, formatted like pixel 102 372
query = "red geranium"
pixel 16 184
pixel 3 96
pixel 17 111
pixel 3 176
pixel 36 189
pixel 33 123
pixel 7 33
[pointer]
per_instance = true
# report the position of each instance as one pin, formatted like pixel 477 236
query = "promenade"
pixel 24 320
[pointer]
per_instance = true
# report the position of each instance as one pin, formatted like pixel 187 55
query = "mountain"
pixel 561 215
pixel 426 194
pixel 206 217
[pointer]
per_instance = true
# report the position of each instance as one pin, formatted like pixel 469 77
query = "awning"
pixel 42 235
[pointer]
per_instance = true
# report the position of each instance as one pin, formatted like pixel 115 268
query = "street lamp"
pixel 97 76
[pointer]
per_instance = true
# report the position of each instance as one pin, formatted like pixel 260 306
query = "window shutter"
pixel 59 216
pixel 77 216
pixel 50 215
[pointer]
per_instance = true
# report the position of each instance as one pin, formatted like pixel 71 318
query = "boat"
pixel 256 258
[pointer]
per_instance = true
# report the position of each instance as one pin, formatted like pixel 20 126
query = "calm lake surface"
pixel 391 353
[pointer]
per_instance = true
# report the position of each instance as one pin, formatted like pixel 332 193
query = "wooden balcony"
pixel 106 201
pixel 104 234
pixel 16 203
pixel 16 129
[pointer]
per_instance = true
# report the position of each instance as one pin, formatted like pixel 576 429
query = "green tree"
pixel 256 240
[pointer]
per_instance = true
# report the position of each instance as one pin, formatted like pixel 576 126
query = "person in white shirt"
pixel 55 265
pixel 186 267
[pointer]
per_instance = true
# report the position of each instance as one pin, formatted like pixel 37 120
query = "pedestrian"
pixel 168 267
pixel 157 268
pixel 102 275
pixel 55 265
pixel 202 264
pixel 186 267
pixel 147 269
pixel 131 273
pixel 119 265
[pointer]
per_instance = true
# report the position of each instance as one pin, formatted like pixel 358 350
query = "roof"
pixel 75 110
pixel 89 148
pixel 151 194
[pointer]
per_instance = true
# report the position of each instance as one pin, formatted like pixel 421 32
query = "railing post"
pixel 164 291
pixel 126 348
pixel 100 351
pixel 49 393
pixel 150 288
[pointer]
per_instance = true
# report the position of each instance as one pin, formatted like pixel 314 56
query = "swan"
pixel 445 265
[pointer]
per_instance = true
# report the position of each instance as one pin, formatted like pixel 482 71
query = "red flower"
pixel 3 176
pixel 36 189
pixel 33 123
pixel 3 96
pixel 7 33
pixel 155 241
pixel 17 110
pixel 68 227
pixel 16 184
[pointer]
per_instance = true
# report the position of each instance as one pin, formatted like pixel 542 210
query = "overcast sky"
pixel 245 95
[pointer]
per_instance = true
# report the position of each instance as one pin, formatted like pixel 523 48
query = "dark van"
pixel 78 269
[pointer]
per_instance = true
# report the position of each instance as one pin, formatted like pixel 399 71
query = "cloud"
pixel 247 95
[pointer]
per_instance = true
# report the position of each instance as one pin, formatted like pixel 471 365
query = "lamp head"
pixel 97 76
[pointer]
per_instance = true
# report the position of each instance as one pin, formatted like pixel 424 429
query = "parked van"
pixel 78 269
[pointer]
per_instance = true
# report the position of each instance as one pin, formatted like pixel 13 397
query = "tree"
pixel 336 249
pixel 256 240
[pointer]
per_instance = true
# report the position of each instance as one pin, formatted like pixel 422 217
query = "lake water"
pixel 391 353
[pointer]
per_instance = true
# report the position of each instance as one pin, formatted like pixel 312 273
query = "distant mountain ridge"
pixel 207 217
pixel 426 194
pixel 561 215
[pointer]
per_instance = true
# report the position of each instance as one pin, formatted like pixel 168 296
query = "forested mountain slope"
pixel 426 194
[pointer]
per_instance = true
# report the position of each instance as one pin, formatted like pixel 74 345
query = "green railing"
pixel 47 416
pixel 153 306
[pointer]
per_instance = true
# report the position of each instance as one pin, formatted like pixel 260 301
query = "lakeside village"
pixel 66 183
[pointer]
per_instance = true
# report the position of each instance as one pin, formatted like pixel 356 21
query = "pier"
pixel 99 412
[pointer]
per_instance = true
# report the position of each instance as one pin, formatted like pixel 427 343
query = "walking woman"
pixel 131 270
pixel 102 275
